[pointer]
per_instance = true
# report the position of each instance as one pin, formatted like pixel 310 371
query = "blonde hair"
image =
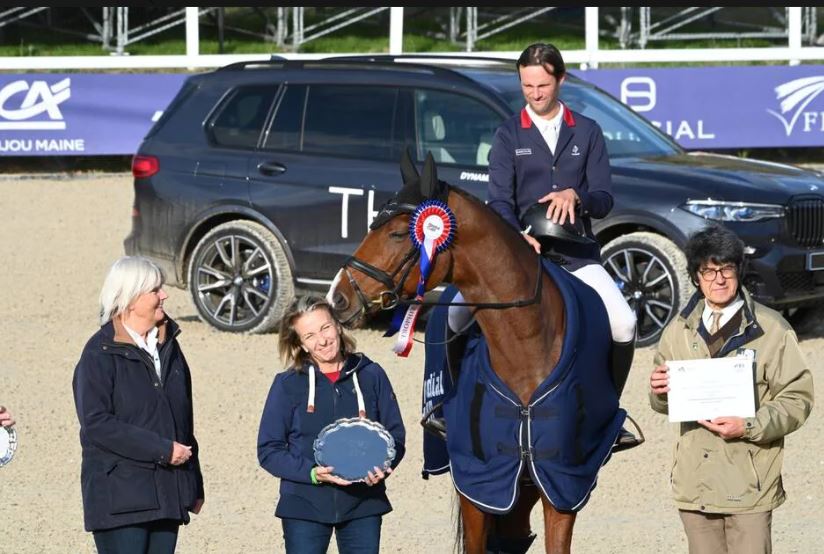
pixel 289 345
pixel 128 278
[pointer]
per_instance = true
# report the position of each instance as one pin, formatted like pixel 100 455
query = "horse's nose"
pixel 339 301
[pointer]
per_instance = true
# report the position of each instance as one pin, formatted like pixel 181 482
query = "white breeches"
pixel 621 316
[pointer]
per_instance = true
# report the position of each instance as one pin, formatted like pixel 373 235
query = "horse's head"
pixel 384 268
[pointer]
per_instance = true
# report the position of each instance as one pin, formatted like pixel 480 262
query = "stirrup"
pixel 627 440
pixel 435 425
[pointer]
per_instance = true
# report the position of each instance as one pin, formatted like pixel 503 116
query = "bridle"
pixel 390 298
pixel 387 299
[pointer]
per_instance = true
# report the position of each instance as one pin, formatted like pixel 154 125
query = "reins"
pixel 536 297
pixel 390 298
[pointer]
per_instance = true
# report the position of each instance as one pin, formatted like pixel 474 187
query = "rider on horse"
pixel 549 155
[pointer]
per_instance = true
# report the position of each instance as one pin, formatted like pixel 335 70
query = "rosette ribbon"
pixel 432 229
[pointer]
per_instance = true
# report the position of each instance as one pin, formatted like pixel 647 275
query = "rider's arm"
pixel 501 190
pixel 596 197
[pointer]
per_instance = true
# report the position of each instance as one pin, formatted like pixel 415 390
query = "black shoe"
pixel 625 441
pixel 435 425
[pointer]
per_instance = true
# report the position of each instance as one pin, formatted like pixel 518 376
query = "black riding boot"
pixel 501 545
pixel 622 354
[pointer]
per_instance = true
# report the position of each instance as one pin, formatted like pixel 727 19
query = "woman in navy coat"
pixel 140 473
pixel 325 381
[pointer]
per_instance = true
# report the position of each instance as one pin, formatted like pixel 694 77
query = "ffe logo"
pixel 794 96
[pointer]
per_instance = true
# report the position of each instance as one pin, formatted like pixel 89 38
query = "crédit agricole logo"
pixel 30 107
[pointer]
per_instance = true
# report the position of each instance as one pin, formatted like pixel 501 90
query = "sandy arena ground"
pixel 60 235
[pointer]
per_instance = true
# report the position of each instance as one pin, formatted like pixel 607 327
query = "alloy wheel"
pixel 233 280
pixel 648 287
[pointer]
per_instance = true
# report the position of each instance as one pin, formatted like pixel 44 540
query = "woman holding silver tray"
pixel 140 473
pixel 328 388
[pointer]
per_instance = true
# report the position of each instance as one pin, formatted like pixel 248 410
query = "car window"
pixel 457 129
pixel 626 133
pixel 239 122
pixel 180 98
pixel 351 120
pixel 284 132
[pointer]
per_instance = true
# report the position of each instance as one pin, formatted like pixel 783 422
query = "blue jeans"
pixel 154 537
pixel 356 536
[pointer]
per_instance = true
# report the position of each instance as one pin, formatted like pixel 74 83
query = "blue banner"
pixel 701 108
pixel 725 107
pixel 80 114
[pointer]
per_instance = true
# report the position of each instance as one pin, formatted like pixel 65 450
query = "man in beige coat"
pixel 726 475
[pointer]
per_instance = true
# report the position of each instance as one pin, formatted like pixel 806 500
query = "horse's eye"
pixel 398 235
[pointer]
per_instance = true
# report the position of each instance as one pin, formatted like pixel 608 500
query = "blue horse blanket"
pixel 562 437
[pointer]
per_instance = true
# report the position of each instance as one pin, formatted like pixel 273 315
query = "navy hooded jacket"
pixel 522 169
pixel 128 420
pixel 287 433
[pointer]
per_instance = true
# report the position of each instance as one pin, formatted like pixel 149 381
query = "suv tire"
pixel 656 286
pixel 239 278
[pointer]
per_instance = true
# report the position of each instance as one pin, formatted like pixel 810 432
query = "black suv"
pixel 261 178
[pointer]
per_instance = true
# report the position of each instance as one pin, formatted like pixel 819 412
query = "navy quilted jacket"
pixel 128 420
pixel 287 433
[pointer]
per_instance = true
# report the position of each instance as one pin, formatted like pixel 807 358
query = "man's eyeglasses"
pixel 709 274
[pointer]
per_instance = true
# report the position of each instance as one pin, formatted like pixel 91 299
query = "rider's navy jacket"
pixel 287 433
pixel 522 169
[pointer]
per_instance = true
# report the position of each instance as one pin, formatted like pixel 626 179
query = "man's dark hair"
pixel 543 54
pixel 717 244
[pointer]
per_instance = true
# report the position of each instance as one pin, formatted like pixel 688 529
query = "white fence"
pixel 590 57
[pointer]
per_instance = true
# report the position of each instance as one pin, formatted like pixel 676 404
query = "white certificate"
pixel 705 389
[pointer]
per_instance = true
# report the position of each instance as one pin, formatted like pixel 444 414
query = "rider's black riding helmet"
pixel 537 225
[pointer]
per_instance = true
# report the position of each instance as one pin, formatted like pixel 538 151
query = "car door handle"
pixel 271 168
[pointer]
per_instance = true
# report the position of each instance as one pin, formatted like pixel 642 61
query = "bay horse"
pixel 487 261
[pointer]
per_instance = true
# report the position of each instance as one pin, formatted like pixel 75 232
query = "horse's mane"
pixel 498 219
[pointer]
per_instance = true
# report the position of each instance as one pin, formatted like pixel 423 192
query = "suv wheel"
pixel 239 278
pixel 651 271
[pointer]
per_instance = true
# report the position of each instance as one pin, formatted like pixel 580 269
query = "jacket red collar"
pixel 569 119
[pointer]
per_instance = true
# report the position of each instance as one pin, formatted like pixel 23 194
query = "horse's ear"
pixel 431 186
pixel 409 172
pixel 429 179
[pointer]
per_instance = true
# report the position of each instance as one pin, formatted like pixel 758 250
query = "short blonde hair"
pixel 128 278
pixel 289 344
